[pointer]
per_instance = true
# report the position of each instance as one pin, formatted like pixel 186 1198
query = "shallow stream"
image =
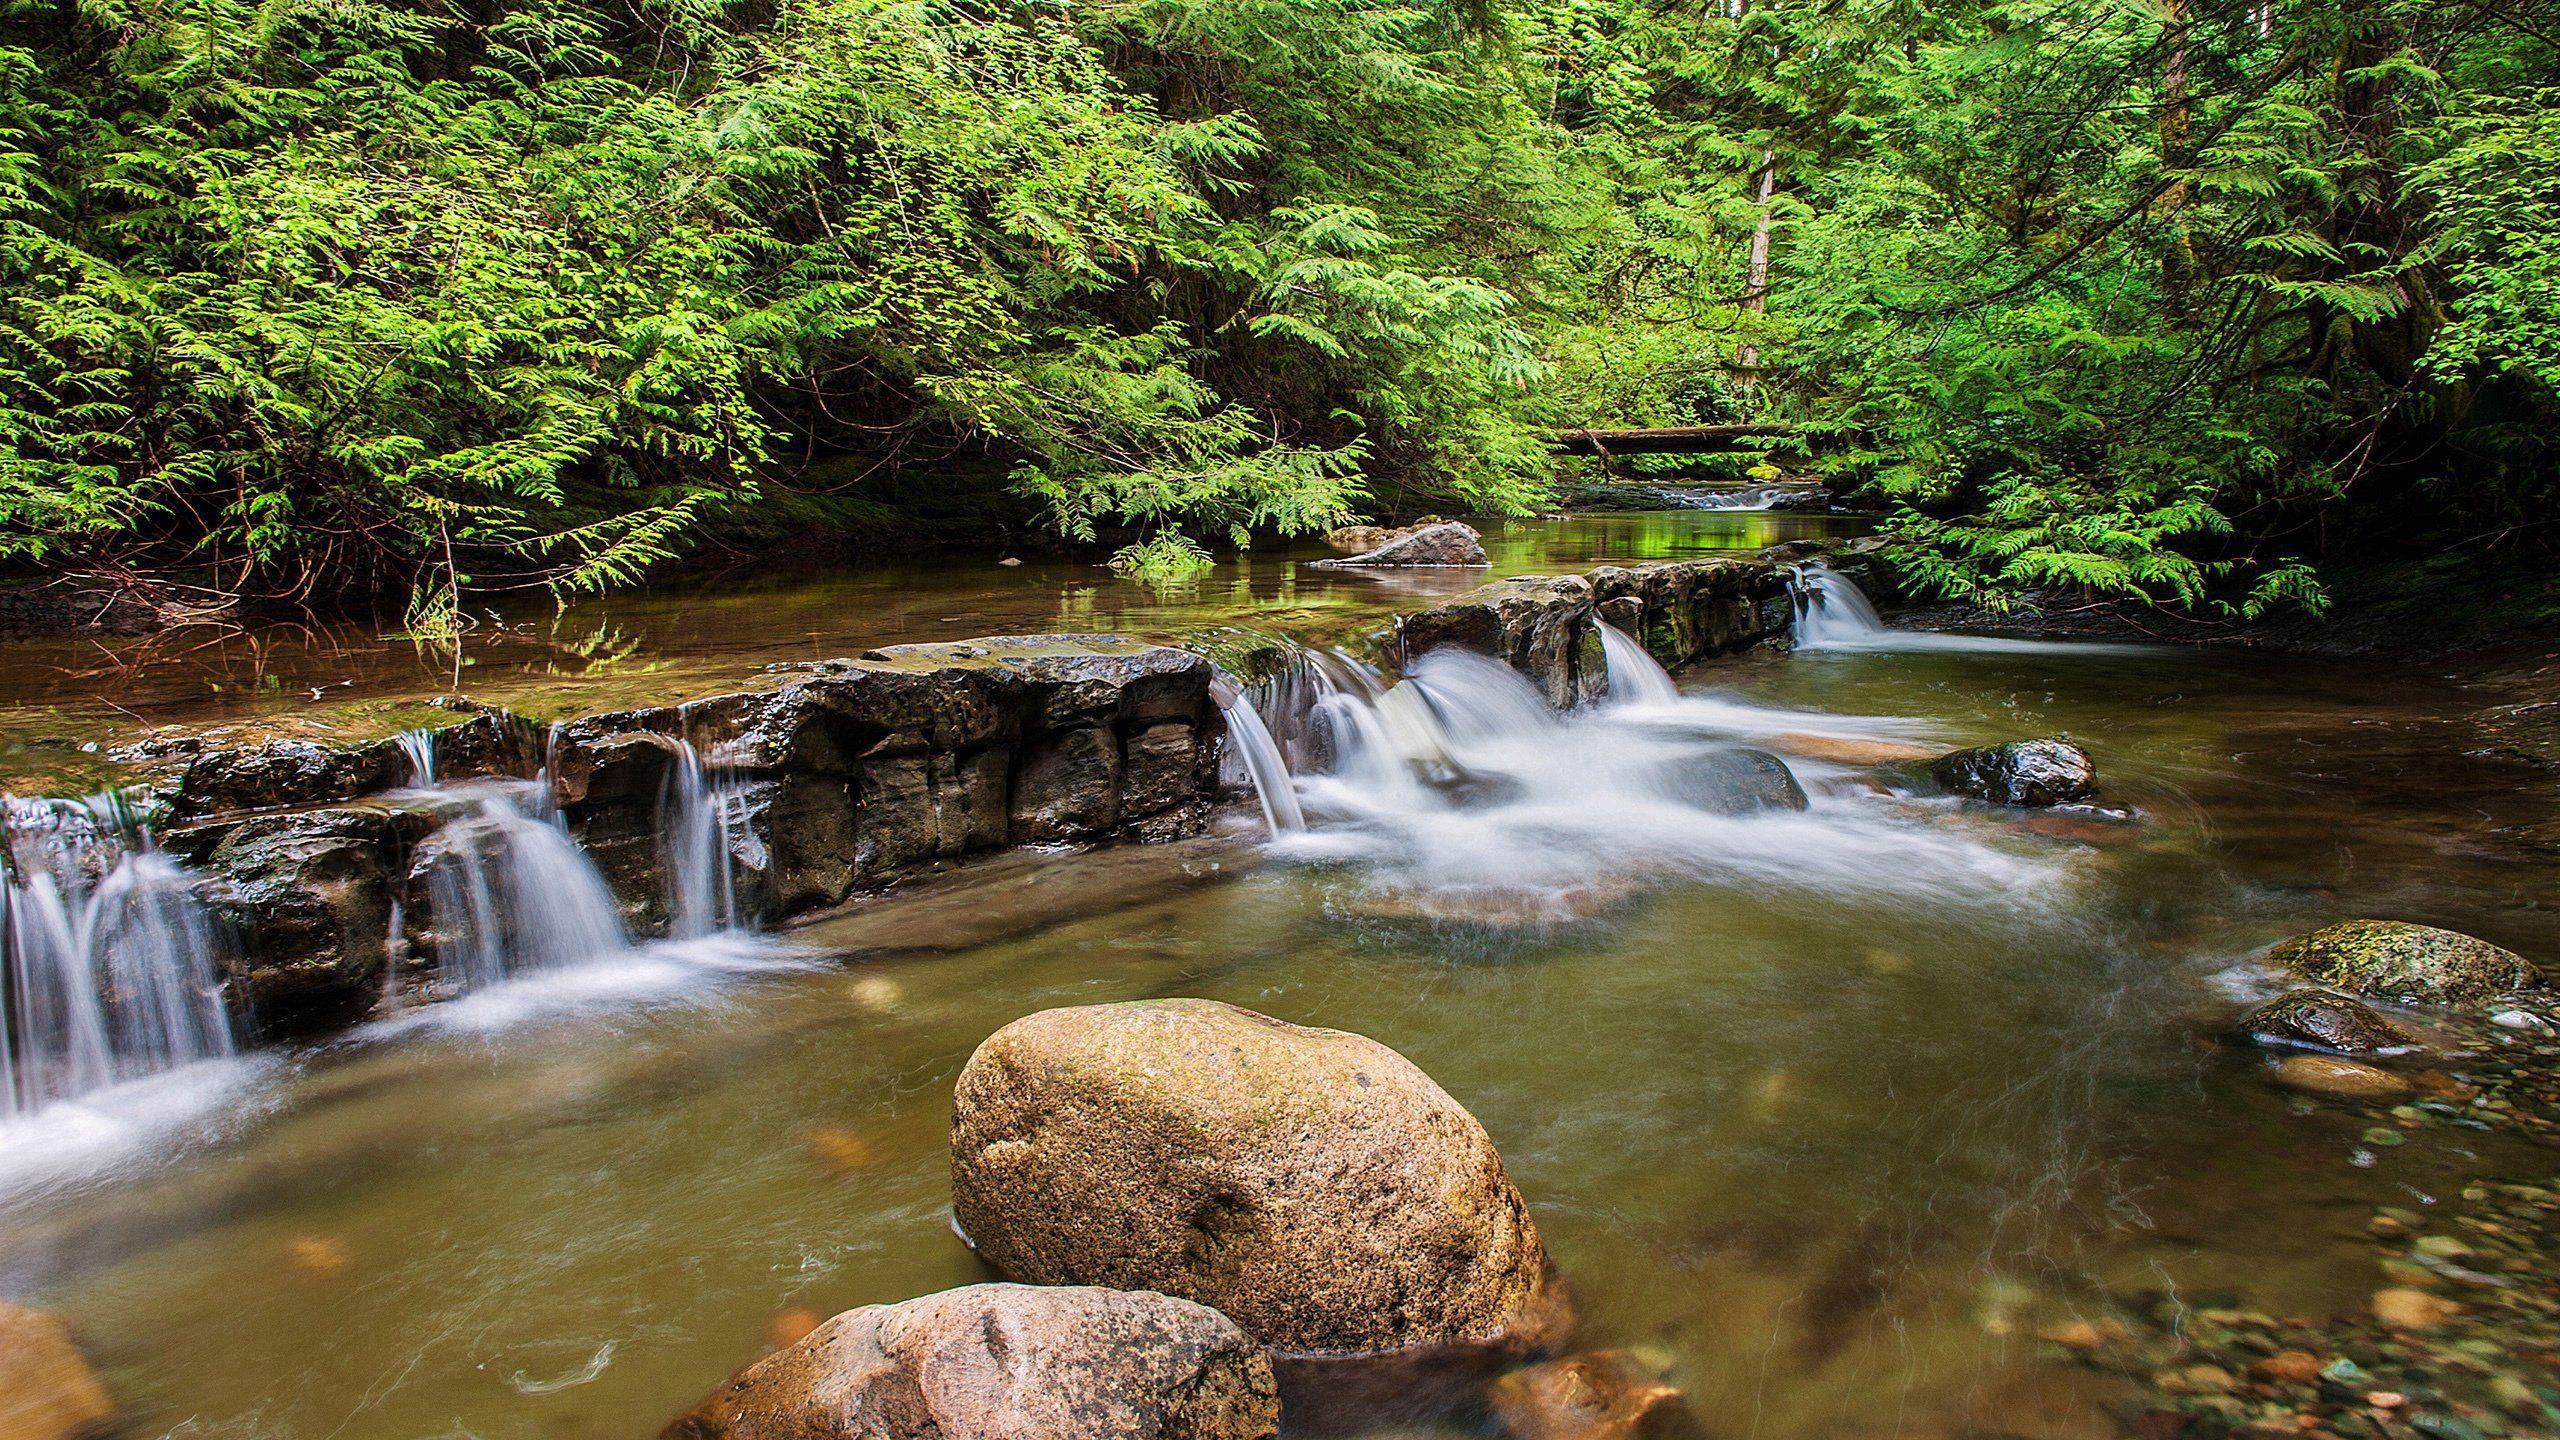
pixel 1826 1112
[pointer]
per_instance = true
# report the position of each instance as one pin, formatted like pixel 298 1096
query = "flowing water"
pixel 1824 1108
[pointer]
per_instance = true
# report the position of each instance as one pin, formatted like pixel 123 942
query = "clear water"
pixel 1826 1110
pixel 64 702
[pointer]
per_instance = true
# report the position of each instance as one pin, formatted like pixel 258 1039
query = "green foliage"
pixel 332 298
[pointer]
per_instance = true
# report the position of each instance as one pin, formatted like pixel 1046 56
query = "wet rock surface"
pixel 47 1391
pixel 1449 544
pixel 1312 1184
pixel 2339 1079
pixel 1004 1362
pixel 307 897
pixel 1539 627
pixel 2319 1020
pixel 2391 959
pixel 1738 781
pixel 2021 772
pixel 1606 1395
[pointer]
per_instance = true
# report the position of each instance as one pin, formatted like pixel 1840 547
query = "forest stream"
pixel 1896 1114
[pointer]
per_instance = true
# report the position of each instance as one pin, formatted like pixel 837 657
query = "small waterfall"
pixel 1260 755
pixel 1831 611
pixel 1752 497
pixel 1458 795
pixel 1635 677
pixel 698 830
pixel 511 894
pixel 107 979
pixel 419 746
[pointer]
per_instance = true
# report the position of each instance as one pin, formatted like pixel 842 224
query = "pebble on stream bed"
pixel 2461 1340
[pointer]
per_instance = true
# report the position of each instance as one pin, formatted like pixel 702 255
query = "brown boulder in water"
pixel 1004 1362
pixel 1312 1184
pixel 2395 960
pixel 1605 1395
pixel 1848 749
pixel 47 1392
pixel 2318 1020
pixel 1451 544
pixel 2340 1079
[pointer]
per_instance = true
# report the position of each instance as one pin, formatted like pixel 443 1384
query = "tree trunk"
pixel 1755 285
pixel 2178 266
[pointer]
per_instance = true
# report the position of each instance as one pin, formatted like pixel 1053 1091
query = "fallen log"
pixel 1664 439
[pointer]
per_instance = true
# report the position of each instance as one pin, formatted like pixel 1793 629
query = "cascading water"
pixel 110 972
pixel 698 835
pixel 509 893
pixel 1635 677
pixel 1831 612
pixel 1458 794
pixel 419 747
pixel 1251 744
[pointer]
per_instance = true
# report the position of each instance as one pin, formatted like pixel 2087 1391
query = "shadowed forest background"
pixel 340 303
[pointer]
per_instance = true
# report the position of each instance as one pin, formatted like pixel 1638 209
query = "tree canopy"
pixel 327 300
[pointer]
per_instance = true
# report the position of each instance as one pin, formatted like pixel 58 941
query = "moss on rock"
pixel 2400 961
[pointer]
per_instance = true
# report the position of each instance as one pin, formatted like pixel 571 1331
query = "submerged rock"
pixel 1312 1184
pixel 2340 1079
pixel 2318 1020
pixel 2021 772
pixel 1849 749
pixel 1738 781
pixel 1004 1362
pixel 1448 544
pixel 47 1391
pixel 1601 1396
pixel 2395 960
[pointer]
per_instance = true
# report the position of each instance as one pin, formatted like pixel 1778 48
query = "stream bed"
pixel 1825 1113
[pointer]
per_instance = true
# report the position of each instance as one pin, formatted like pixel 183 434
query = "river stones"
pixel 2021 772
pixel 2318 1020
pixel 2340 1079
pixel 1737 781
pixel 47 1391
pixel 1448 544
pixel 2393 960
pixel 1605 1395
pixel 1004 1362
pixel 1312 1184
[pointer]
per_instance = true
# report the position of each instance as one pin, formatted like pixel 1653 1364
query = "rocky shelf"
pixel 848 775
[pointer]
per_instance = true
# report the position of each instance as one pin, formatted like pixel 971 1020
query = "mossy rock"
pixel 2399 961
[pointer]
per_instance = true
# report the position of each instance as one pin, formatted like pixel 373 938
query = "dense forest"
pixel 365 301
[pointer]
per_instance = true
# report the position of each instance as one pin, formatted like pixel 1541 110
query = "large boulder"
pixel 2394 960
pixel 1313 1184
pixel 47 1392
pixel 2318 1020
pixel 2022 772
pixel 1004 1362
pixel 1449 544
